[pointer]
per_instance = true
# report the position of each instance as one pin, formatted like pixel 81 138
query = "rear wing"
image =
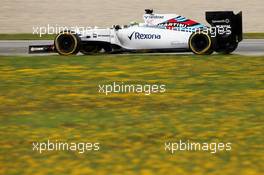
pixel 227 30
pixel 227 19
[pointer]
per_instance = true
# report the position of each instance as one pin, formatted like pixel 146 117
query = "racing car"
pixel 158 33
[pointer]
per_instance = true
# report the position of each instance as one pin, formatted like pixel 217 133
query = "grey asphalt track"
pixel 20 47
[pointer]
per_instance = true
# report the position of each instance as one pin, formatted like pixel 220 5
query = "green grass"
pixel 28 36
pixel 209 98
pixel 254 36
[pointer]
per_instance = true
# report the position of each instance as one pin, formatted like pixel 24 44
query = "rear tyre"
pixel 201 44
pixel 67 43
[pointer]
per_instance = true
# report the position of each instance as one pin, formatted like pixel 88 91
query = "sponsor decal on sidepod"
pixel 139 36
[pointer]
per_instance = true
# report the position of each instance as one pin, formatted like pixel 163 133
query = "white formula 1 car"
pixel 158 33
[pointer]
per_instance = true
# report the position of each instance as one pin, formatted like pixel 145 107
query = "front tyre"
pixel 201 44
pixel 67 43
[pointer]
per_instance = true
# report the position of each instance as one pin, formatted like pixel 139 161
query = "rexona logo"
pixel 141 36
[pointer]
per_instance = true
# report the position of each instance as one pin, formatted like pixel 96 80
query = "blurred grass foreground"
pixel 208 99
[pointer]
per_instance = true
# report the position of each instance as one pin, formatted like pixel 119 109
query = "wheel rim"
pixel 66 44
pixel 200 43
